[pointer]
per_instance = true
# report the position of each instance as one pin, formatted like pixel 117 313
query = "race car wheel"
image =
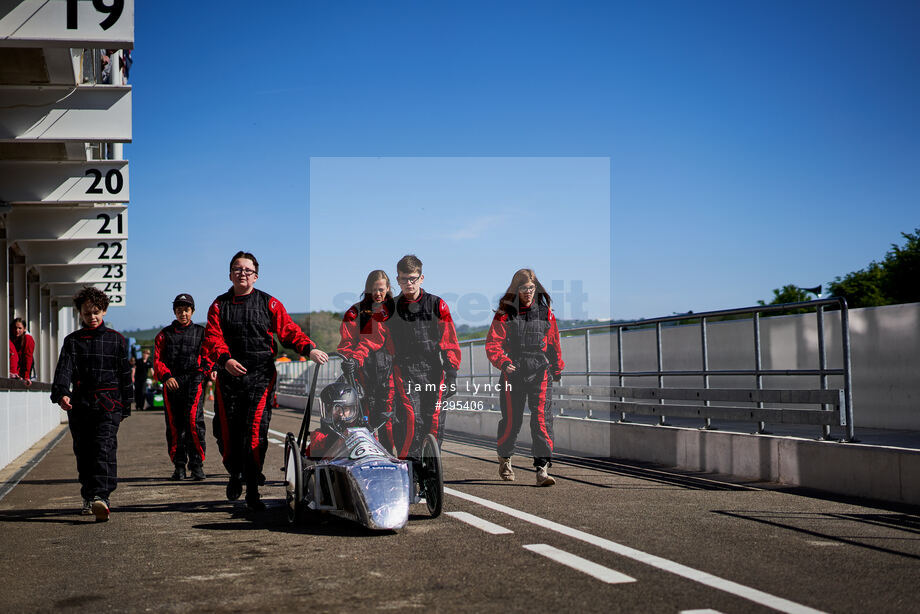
pixel 293 479
pixel 431 478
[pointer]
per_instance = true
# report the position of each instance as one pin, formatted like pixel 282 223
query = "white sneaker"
pixel 87 508
pixel 544 478
pixel 100 509
pixel 505 471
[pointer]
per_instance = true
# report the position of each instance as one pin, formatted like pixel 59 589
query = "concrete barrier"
pixel 26 416
pixel 874 472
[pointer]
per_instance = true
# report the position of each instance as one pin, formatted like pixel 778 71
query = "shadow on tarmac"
pixel 645 471
pixel 815 520
pixel 54 516
pixel 274 518
pixel 71 515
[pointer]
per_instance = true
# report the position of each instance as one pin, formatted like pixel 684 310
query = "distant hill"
pixel 323 328
pixel 466 332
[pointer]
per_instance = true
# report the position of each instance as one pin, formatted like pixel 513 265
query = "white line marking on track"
pixel 210 414
pixel 604 574
pixel 479 523
pixel 821 543
pixel 707 611
pixel 273 440
pixel 707 579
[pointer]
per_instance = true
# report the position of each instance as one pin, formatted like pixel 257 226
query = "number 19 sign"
pixel 68 23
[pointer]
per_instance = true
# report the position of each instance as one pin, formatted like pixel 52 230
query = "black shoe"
pixel 254 502
pixel 179 473
pixel 234 487
pixel 198 473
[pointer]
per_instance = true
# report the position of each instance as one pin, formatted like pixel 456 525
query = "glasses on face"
pixel 409 280
pixel 242 272
pixel 527 289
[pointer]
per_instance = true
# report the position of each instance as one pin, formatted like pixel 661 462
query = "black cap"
pixel 184 299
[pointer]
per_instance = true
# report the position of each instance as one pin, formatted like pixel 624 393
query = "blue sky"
pixel 747 145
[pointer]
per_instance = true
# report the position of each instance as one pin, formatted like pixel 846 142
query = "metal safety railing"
pixel 835 409
pixel 836 405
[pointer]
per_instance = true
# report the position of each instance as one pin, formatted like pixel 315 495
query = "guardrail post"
pixel 620 367
pixel 662 420
pixel 822 366
pixel 847 369
pixel 590 413
pixel 472 370
pixel 704 341
pixel 761 426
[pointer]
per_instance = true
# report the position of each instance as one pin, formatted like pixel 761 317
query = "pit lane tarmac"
pixel 609 537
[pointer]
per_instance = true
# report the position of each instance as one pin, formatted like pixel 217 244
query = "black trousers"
pixel 241 418
pixel 95 443
pixel 140 394
pixel 536 394
pixel 185 429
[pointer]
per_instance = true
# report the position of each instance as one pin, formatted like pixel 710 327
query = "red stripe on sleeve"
pixel 495 340
pixel 287 330
pixel 448 340
pixel 213 345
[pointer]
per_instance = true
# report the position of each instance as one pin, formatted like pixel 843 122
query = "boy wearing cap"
pixel 177 363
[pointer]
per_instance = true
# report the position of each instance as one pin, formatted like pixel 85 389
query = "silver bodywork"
pixel 359 480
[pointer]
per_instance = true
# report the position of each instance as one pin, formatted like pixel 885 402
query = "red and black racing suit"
pixel 241 327
pixel 529 339
pixel 94 363
pixel 177 353
pixel 367 341
pixel 427 357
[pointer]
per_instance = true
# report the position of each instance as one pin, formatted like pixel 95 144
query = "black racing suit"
pixel 93 370
pixel 528 338
pixel 177 354
pixel 427 357
pixel 242 328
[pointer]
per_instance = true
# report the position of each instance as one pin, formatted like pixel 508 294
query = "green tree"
pixel 901 281
pixel 896 279
pixel 787 294
pixel 863 288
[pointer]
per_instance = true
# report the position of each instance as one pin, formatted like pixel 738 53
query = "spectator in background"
pixel 124 65
pixel 140 379
pixel 107 66
pixel 23 345
pixel 14 361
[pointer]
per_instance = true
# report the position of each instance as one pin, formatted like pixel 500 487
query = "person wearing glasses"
pixel 365 341
pixel 239 339
pixel 426 359
pixel 523 342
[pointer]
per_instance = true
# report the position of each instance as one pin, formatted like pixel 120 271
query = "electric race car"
pixel 344 471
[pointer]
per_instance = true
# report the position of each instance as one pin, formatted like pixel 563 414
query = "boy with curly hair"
pixel 93 384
